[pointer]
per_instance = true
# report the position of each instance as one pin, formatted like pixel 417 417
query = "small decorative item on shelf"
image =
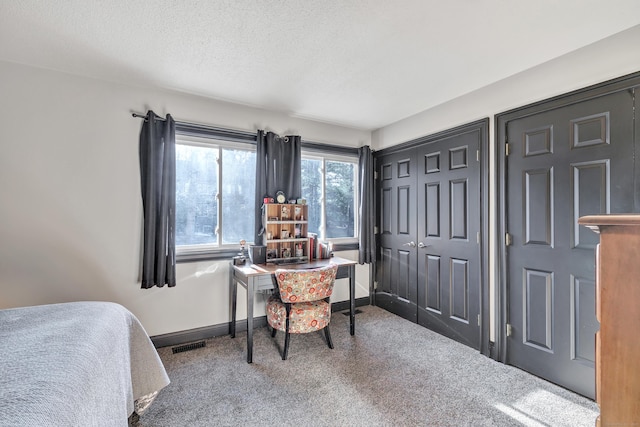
pixel 297 213
pixel 286 253
pixel 284 213
pixel 280 197
pixel 296 233
pixel 302 201
pixel 299 251
pixel 268 200
pixel 272 254
pixel 284 234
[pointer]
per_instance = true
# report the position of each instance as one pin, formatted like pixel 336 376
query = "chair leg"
pixel 286 345
pixel 287 335
pixel 273 332
pixel 328 335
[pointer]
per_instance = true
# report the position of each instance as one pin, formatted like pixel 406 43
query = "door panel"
pixel 563 164
pixel 432 296
pixel 397 289
pixel 448 226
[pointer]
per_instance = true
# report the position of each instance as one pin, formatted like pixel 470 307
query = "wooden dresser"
pixel 618 311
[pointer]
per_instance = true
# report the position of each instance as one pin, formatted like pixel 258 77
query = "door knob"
pixel 411 243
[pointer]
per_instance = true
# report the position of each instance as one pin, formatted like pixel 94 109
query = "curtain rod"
pixel 195 129
pixel 144 116
pixel 189 128
pixel 186 126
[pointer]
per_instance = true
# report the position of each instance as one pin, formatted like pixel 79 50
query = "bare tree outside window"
pixel 340 199
pixel 238 195
pixel 196 190
pixel 311 170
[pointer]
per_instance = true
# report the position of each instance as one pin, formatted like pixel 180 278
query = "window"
pixel 215 190
pixel 330 185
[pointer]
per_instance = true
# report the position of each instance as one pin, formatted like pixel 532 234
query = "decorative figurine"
pixel 241 258
pixel 284 213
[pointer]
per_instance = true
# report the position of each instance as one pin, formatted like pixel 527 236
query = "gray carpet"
pixel 391 373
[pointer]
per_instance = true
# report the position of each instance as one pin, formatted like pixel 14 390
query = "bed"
pixel 75 364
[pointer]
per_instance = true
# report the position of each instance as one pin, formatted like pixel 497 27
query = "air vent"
pixel 187 347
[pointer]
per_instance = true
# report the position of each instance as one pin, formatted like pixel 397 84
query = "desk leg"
pixel 352 299
pixel 250 295
pixel 233 290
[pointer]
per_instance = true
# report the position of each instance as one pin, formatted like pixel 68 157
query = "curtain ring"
pixel 286 139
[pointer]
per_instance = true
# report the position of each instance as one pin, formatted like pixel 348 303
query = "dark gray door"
pixel 429 232
pixel 563 163
pixel 397 289
pixel 449 236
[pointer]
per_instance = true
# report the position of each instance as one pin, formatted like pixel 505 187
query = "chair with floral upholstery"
pixel 303 303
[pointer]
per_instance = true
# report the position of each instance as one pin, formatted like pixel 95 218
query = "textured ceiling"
pixel 363 64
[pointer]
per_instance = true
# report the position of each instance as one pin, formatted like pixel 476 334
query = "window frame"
pixel 213 250
pixel 332 157
pixel 236 139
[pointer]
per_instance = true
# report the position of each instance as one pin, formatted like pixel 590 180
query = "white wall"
pixel 613 57
pixel 71 211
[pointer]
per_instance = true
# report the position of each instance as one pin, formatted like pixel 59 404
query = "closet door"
pixel 430 232
pixel 564 163
pixel 449 280
pixel 396 275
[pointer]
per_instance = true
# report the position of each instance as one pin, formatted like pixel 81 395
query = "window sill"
pixel 228 254
pixel 206 255
pixel 344 246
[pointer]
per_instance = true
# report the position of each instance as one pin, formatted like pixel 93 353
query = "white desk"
pixel 255 277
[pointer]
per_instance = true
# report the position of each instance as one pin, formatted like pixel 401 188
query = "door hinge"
pixel 507 149
pixel 375 285
pixel 508 329
pixel 375 174
pixel 478 237
pixel 507 239
pixel 477 155
pixel 375 229
pixel 478 320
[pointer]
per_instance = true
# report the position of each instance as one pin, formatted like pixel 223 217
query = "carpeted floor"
pixel 391 373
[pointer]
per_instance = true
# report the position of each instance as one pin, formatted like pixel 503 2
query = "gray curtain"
pixel 278 168
pixel 158 185
pixel 366 207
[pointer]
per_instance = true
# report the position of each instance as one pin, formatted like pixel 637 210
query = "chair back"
pixel 306 285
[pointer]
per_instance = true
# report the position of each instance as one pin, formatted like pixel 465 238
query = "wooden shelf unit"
pixel 285 232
